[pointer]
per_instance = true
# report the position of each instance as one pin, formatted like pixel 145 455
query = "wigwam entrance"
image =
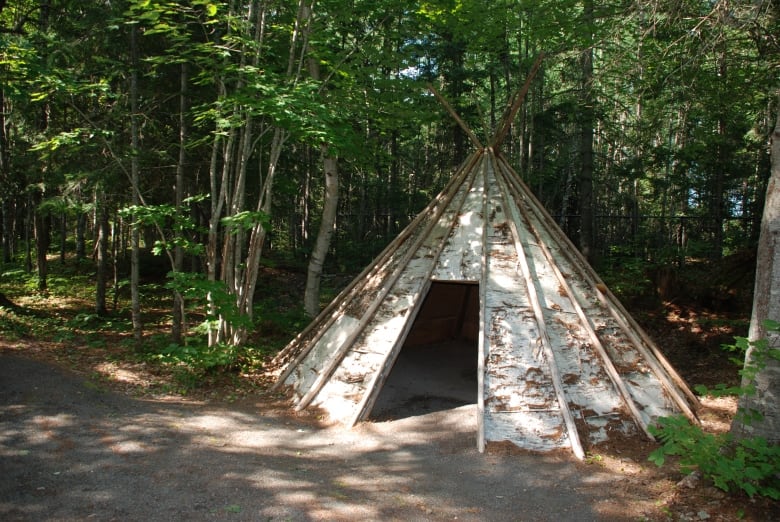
pixel 560 363
pixel 436 368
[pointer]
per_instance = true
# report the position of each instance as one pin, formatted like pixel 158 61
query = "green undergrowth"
pixel 747 464
pixel 64 316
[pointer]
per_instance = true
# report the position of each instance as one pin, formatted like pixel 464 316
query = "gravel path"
pixel 71 450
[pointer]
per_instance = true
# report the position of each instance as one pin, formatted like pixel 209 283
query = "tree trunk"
pixel 585 186
pixel 41 221
pixel 28 225
pixel 63 237
pixel 101 278
pixel 456 53
pixel 311 299
pixel 722 163
pixel 8 239
pixel 766 305
pixel 116 235
pixel 5 171
pixel 81 226
pixel 42 240
pixel 212 245
pixel 135 233
pixel 177 323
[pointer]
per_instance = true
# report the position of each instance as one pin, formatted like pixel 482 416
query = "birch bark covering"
pixel 562 368
pixel 766 305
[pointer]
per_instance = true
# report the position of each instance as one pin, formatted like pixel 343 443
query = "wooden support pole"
pixel 380 376
pixel 336 358
pixel 506 121
pixel 483 346
pixel 506 180
pixel 457 118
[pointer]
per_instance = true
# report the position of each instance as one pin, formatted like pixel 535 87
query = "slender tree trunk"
pixel 311 298
pixel 28 226
pixel 63 237
pixel 42 240
pixel 177 326
pixel 217 189
pixel 723 160
pixel 81 226
pixel 766 305
pixel 135 233
pixel 7 231
pixel 586 143
pixel 40 220
pixel 306 200
pixel 5 182
pixel 456 49
pixel 101 278
pixel 116 234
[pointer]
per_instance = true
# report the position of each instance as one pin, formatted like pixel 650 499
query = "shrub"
pixel 752 464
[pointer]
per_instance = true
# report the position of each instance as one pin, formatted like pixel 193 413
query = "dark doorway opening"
pixel 436 368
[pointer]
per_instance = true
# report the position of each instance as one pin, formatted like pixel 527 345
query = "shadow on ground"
pixel 70 450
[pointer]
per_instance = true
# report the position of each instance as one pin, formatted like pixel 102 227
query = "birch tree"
pixel 238 229
pixel 766 305
pixel 311 299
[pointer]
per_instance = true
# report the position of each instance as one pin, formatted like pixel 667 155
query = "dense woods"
pixel 212 172
pixel 227 136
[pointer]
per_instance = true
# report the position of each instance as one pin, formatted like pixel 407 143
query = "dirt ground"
pixel 81 446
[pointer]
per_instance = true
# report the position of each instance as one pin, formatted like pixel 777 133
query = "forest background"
pixel 194 154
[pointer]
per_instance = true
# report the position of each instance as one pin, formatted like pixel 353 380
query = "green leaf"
pixel 245 220
pixel 657 457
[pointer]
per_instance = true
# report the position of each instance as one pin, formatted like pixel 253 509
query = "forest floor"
pixel 87 431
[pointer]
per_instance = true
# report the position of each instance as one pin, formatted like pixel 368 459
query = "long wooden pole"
pixel 547 349
pixel 457 118
pixel 506 121
pixel 482 345
pixel 505 180
pixel 336 358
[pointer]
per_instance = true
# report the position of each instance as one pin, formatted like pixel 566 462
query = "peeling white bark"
pixel 528 385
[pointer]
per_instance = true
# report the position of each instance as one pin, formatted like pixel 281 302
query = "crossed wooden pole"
pixel 509 114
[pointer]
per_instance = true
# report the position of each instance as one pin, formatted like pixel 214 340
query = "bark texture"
pixel 101 276
pixel 322 245
pixel 766 305
pixel 311 297
pixel 135 181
